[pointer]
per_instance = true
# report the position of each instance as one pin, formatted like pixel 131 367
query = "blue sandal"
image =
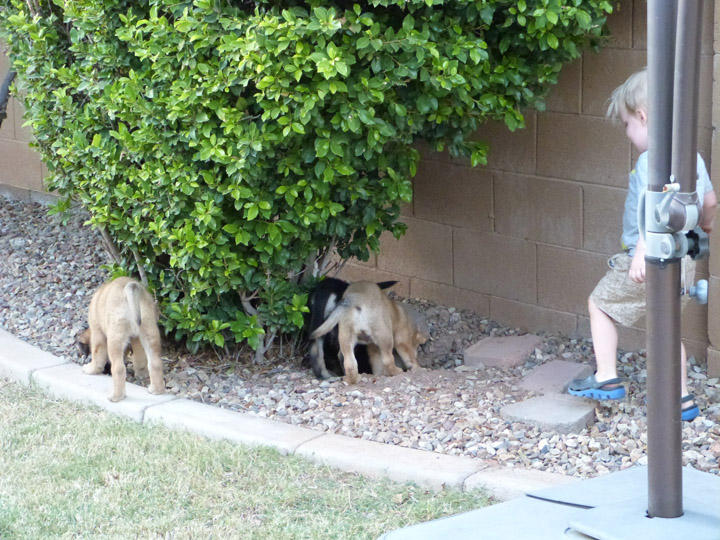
pixel 691 412
pixel 592 388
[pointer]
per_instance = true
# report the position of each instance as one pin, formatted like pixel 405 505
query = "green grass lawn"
pixel 75 472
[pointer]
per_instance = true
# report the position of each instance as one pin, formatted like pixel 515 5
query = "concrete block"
pixel 69 382
pixel 22 132
pixel 512 151
pixel 531 318
pixel 639 25
pixel 620 25
pixel 523 518
pixel 495 265
pixel 7 130
pixel 586 148
pixel 21 165
pixel 714 258
pixel 225 424
pixel 556 412
pixel 602 234
pixel 502 352
pixel 447 295
pixel 713 363
pixel 705 99
pixel 695 320
pixel 425 251
pixel 566 96
pixel 537 209
pixel 377 460
pixel 567 277
pixel 506 484
pixel 453 194
pixel 19 359
pixel 603 73
pixel 714 310
pixel 554 376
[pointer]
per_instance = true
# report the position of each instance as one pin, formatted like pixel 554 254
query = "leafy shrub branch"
pixel 230 148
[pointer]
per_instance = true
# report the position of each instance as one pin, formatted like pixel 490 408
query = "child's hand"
pixel 708 227
pixel 637 267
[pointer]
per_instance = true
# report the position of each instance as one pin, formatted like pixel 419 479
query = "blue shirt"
pixel 636 188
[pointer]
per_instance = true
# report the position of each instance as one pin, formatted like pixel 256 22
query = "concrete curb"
pixel 29 365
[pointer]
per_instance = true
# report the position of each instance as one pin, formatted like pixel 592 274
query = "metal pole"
pixel 673 147
pixel 686 89
pixel 662 278
pixel 5 94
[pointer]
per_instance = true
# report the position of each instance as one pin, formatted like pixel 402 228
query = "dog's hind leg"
pixel 139 359
pixel 151 343
pixel 388 360
pixel 98 357
pixel 347 347
pixel 408 355
pixel 116 352
pixel 317 359
pixel 376 360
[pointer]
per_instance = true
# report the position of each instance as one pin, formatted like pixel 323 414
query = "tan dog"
pixel 122 315
pixel 367 316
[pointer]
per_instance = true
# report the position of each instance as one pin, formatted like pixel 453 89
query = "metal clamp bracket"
pixel 664 218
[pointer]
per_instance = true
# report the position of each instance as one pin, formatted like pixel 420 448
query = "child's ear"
pixel 642 115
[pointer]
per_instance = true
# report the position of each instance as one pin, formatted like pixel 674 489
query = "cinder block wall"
pixel 525 239
pixel 22 172
pixel 713 352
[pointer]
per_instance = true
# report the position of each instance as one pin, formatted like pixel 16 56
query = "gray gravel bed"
pixel 49 270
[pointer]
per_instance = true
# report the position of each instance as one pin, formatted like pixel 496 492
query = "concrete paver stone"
pixel 24 358
pixel 559 412
pixel 554 376
pixel 217 423
pixel 69 382
pixel 369 458
pixel 501 352
pixel 507 484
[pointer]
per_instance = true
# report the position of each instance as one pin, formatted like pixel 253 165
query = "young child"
pixel 620 294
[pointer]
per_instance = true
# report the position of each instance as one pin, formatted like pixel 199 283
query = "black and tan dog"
pixel 366 315
pixel 122 315
pixel 324 351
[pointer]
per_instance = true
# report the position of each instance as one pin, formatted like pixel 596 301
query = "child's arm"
pixel 707 221
pixel 708 212
pixel 637 266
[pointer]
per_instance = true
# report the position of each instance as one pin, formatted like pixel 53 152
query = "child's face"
pixel 636 128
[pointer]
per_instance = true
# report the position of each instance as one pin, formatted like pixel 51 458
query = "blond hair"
pixel 630 95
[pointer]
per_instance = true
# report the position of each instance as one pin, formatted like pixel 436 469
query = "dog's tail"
pixel 133 290
pixel 332 320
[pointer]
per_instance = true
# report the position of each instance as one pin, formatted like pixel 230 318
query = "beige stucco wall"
pixel 524 239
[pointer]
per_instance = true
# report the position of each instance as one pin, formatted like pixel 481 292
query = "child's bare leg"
pixel 689 408
pixel 605 342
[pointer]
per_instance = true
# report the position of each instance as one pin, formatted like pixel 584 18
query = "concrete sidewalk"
pixel 29 365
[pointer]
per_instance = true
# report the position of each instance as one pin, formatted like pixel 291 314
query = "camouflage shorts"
pixel 623 299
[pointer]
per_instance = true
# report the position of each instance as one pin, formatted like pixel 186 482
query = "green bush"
pixel 229 148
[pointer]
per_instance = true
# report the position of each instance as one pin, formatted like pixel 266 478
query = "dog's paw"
pixel 116 397
pixel 156 390
pixel 89 369
pixel 394 370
